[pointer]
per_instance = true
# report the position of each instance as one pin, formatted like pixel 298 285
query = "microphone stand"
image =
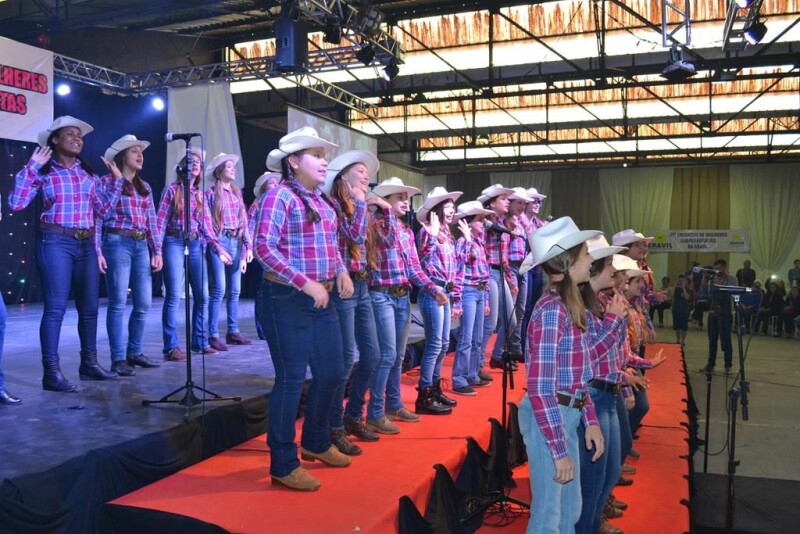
pixel 188 399
pixel 709 373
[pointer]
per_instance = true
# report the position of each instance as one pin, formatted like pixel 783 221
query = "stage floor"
pixel 49 428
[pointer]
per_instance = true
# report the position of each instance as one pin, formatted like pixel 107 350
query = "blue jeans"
pixel 470 335
pixel 640 408
pixel 128 262
pixel 299 335
pixel 535 287
pixel 505 320
pixel 436 320
pixel 719 328
pixel 392 320
pixel 556 507
pixel 490 321
pixel 223 276
pixel 256 265
pixel 515 315
pixel 625 435
pixel 2 341
pixel 598 478
pixel 68 264
pixel 173 284
pixel 359 339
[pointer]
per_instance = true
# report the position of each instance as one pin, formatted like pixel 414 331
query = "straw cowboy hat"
pixel 629 265
pixel 63 122
pixel 552 239
pixel 628 237
pixel 520 194
pixel 343 161
pixel 533 193
pixel 263 178
pixel 471 208
pixel 218 160
pixel 494 191
pixel 394 185
pixel 123 143
pixel 293 142
pixel 599 248
pixel 437 195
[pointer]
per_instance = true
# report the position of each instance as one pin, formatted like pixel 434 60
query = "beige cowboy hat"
pixel 394 185
pixel 520 194
pixel 63 122
pixel 599 248
pixel 437 194
pixel 293 142
pixel 628 237
pixel 343 161
pixel 552 239
pixel 533 193
pixel 629 265
pixel 494 191
pixel 469 209
pixel 263 178
pixel 218 160
pixel 123 143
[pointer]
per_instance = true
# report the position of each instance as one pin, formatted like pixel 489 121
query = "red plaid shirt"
pixel 230 216
pixel 200 223
pixel 132 212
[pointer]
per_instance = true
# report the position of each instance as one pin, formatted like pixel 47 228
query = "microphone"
pixel 699 270
pixel 734 290
pixel 500 229
pixel 169 137
pixel 372 185
pixel 549 218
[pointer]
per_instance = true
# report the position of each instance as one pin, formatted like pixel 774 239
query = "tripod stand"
pixel 188 399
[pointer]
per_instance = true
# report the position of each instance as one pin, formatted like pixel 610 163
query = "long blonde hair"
pixel 341 192
pixel 219 200
pixel 566 288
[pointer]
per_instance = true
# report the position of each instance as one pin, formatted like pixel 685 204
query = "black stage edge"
pixel 763 505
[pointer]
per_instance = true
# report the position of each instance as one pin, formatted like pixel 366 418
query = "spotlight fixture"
pixel 744 4
pixel 677 69
pixel 157 103
pixel 366 54
pixel 391 71
pixel 63 89
pixel 371 21
pixel 333 31
pixel 755 33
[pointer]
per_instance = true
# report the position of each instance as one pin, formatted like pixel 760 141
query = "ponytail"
pixel 566 288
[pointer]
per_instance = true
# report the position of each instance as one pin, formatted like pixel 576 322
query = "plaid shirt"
pixel 471 258
pixel 606 366
pixel 230 216
pixel 132 212
pixel 494 244
pixel 288 245
pixel 398 263
pixel 170 221
pixel 558 360
pixel 438 259
pixel 70 197
pixel 353 230
pixel 252 217
pixel 518 243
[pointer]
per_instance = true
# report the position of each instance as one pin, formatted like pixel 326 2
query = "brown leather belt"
pixel 602 385
pixel 515 264
pixel 447 286
pixel 193 236
pixel 480 286
pixel 397 290
pixel 232 233
pixel 328 284
pixel 571 402
pixel 359 276
pixel 78 233
pixel 138 235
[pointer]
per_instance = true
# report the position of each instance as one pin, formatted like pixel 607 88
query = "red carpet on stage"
pixel 233 489
pixel 659 485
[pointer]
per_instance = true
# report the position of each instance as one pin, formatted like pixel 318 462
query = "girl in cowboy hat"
pixel 470 303
pixel 67 258
pixel 558 371
pixel 389 288
pixel 347 183
pixel 535 276
pixel 199 235
pixel 438 259
pixel 125 240
pixel 295 241
pixel 264 183
pixel 229 216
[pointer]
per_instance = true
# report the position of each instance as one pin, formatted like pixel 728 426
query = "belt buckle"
pixel 360 276
pixel 481 286
pixel 617 388
pixel 398 291
pixel 81 234
pixel 449 287
pixel 138 235
pixel 328 285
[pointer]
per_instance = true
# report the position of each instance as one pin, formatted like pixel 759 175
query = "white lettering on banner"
pixel 26 90
pixel 700 241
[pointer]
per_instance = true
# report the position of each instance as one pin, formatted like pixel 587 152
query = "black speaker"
pixel 291 45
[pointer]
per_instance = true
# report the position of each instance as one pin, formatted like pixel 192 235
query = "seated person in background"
pixel 771 306
pixel 750 304
pixel 746 276
pixel 791 310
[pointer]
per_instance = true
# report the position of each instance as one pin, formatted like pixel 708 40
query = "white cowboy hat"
pixel 263 178
pixel 293 142
pixel 494 191
pixel 520 194
pixel 394 185
pixel 552 239
pixel 437 194
pixel 62 122
pixel 196 151
pixel 629 265
pixel 218 160
pixel 533 193
pixel 123 143
pixel 599 248
pixel 351 157
pixel 468 209
pixel 628 237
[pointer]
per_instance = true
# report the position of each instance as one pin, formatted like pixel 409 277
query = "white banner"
pixel 26 90
pixel 700 241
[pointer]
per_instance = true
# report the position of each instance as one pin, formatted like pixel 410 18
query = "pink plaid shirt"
pixel 132 212
pixel 230 217
pixel 354 230
pixel 398 263
pixel 471 258
pixel 438 259
pixel 494 243
pixel 200 223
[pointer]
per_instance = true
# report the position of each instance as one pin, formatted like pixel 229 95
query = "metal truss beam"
pixel 737 21
pixel 684 23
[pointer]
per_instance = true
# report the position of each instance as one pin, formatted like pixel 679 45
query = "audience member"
pixel 746 276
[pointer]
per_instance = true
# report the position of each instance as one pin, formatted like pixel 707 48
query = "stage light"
pixel 366 54
pixel 755 33
pixel 158 103
pixel 63 89
pixel 391 71
pixel 371 21
pixel 743 4
pixel 333 31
